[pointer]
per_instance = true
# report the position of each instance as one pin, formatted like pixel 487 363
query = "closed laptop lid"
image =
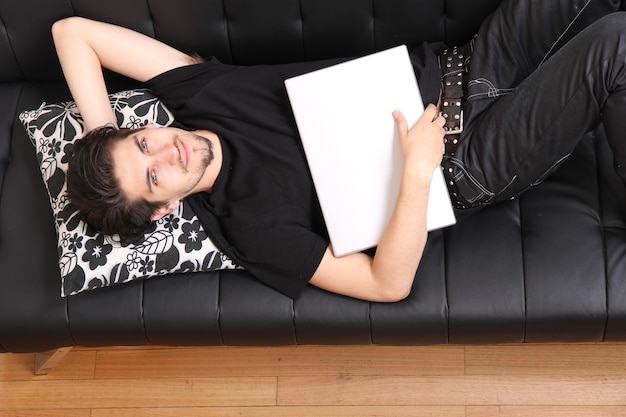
pixel 344 117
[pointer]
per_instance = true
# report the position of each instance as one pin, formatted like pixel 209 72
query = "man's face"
pixel 161 164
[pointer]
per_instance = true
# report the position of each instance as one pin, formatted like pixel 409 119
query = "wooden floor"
pixel 360 381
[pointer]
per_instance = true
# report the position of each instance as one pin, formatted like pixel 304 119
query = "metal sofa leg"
pixel 46 361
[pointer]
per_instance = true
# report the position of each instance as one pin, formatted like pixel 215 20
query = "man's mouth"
pixel 183 152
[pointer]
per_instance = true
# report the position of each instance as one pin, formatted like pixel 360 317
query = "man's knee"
pixel 612 26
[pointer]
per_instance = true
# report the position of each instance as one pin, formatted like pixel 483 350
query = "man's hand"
pixel 422 145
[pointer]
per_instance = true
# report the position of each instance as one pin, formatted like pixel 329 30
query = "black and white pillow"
pixel 87 259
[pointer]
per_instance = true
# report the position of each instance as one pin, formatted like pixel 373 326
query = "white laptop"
pixel 343 114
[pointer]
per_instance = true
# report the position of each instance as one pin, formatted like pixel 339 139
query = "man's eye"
pixel 153 178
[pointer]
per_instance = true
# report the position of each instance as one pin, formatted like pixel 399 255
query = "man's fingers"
pixel 430 112
pixel 400 122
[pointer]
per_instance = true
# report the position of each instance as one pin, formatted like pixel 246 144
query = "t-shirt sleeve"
pixel 176 86
pixel 283 256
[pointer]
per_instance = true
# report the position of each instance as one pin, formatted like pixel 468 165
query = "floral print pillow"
pixel 87 259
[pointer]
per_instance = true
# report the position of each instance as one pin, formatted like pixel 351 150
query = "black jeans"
pixel 542 74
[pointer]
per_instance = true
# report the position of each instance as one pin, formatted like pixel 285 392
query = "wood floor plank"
pixel 483 411
pixel 470 390
pixel 20 366
pixel 347 381
pixel 546 411
pixel 427 411
pixel 561 359
pixel 181 392
pixel 280 361
pixel 45 413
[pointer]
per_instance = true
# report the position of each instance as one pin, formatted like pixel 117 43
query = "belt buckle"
pixel 457 130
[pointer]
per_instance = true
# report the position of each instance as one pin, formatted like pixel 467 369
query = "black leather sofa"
pixel 549 266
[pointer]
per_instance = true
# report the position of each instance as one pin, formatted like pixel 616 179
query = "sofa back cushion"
pixel 240 31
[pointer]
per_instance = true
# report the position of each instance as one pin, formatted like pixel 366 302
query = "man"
pixel 236 155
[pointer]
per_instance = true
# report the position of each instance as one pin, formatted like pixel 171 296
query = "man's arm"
pixel 85 46
pixel 390 274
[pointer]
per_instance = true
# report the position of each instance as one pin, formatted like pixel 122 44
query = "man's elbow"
pixel 393 295
pixel 64 27
pixel 60 26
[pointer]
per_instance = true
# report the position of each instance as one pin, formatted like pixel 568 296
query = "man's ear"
pixel 165 210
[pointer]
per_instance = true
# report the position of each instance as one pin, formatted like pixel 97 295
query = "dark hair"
pixel 94 189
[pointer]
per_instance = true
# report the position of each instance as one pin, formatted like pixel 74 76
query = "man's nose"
pixel 167 155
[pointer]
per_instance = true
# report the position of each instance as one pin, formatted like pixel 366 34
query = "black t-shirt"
pixel 263 211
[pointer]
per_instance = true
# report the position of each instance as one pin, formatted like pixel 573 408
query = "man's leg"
pixel 524 134
pixel 520 36
pixel 512 43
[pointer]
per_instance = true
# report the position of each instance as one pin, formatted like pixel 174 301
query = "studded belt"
pixel 452 64
pixel 451 103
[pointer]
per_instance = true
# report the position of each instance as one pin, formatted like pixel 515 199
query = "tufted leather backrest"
pixel 239 31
